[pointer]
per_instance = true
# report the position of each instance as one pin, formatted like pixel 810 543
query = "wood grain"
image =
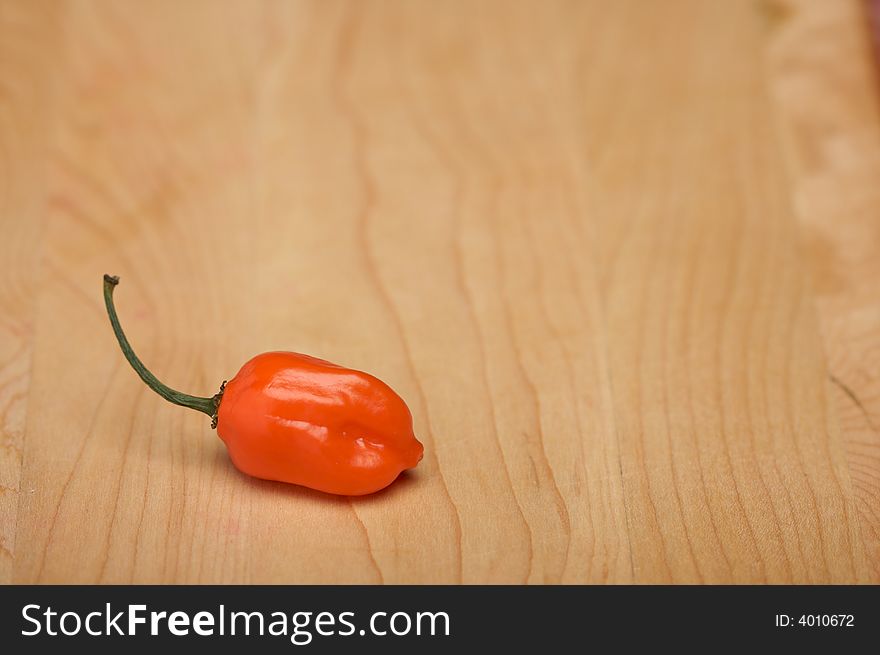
pixel 575 236
pixel 833 149
pixel 27 37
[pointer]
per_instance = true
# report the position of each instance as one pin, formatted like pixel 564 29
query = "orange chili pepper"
pixel 299 419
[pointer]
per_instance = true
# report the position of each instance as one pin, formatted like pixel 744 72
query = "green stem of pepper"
pixel 207 405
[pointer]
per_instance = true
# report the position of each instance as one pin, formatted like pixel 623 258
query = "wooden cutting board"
pixel 620 258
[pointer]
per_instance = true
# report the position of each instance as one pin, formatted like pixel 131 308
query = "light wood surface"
pixel 28 34
pixel 825 84
pixel 620 258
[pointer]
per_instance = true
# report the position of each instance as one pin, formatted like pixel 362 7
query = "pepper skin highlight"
pixel 298 419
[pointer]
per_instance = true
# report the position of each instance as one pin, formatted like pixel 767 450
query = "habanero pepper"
pixel 298 419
